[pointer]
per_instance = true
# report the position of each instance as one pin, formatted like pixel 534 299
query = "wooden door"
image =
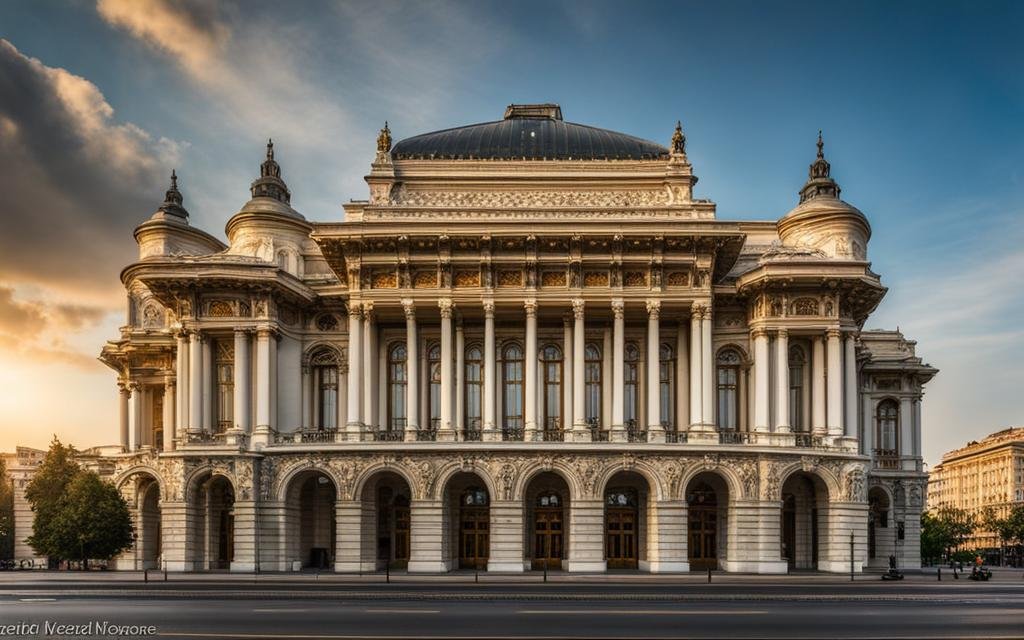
pixel 789 531
pixel 548 538
pixel 474 537
pixel 703 540
pixel 620 534
pixel 400 540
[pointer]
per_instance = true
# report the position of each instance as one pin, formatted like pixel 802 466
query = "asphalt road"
pixel 762 610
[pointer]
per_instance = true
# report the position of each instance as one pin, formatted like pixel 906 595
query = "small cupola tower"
pixel 167 232
pixel 270 184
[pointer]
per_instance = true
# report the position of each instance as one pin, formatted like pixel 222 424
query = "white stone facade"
pixel 513 363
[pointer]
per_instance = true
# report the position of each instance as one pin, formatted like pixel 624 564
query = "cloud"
pixel 37 330
pixel 76 180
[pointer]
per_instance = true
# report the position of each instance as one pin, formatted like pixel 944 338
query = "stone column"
pixel 181 419
pixel 618 431
pixel 241 382
pixel 490 430
pixel 445 431
pixel 264 338
pixel 682 372
pixel 245 524
pixel 307 393
pixel 850 379
pixel 124 395
pixel 579 384
pixel 426 535
pixel 818 427
pixel 136 392
pixel 168 417
pixel 655 431
pixel 568 383
pixel 782 382
pixel 530 357
pixel 460 381
pixel 667 534
pixel 412 366
pixel 707 370
pixel 696 393
pixel 606 377
pixel 354 423
pixel 348 536
pixel 195 383
pixel 506 552
pixel 835 384
pixel 761 387
pixel 369 361
pixel 209 376
pixel 586 535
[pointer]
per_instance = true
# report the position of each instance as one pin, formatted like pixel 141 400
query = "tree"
pixel 94 522
pixel 934 537
pixel 46 493
pixel 1011 528
pixel 6 513
pixel 944 530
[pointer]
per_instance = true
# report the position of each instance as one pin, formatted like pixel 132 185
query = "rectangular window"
pixel 225 396
pixel 592 375
pixel 512 402
pixel 727 398
pixel 474 390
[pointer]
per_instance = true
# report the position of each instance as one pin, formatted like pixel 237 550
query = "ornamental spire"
pixel 384 139
pixel 819 177
pixel 173 199
pixel 270 184
pixel 679 140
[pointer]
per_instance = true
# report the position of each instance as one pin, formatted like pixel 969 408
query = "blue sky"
pixel 921 104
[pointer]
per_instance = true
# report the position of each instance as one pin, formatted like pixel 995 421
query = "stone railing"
pixel 306 436
pixel 887 458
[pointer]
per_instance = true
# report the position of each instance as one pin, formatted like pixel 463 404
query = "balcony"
pixel 634 432
pixel 736 437
pixel 597 434
pixel 553 431
pixel 512 433
pixel 808 440
pixel 474 430
pixel 306 436
pixel 887 458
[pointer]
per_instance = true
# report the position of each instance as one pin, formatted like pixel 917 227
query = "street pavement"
pixel 454 606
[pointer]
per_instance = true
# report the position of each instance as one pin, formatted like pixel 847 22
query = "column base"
pixel 655 434
pixel 701 427
pixel 243 566
pixel 617 434
pixel 491 435
pixel 232 436
pixel 260 437
pixel 767 567
pixel 446 435
pixel 586 566
pixel 505 567
pixel 177 565
pixel 580 433
pixel 410 433
pixel 656 566
pixel 702 437
pixel 428 566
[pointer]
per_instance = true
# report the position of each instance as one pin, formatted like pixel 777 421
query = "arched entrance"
pixel 880 531
pixel 625 499
pixel 547 508
pixel 150 543
pixel 310 522
pixel 707 504
pixel 213 504
pixel 804 519
pixel 385 521
pixel 467 507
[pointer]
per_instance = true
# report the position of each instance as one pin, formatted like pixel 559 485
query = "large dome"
pixel 530 132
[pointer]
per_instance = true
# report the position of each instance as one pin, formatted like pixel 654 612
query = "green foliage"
pixel 1011 528
pixel 78 516
pixel 6 513
pixel 944 530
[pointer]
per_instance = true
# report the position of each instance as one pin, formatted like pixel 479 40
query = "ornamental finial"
pixel 270 184
pixel 384 139
pixel 173 199
pixel 819 176
pixel 821 146
pixel 678 139
pixel 270 148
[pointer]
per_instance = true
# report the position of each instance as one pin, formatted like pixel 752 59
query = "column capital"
pixel 242 331
pixel 578 305
pixel 354 309
pixel 758 332
pixel 367 307
pixel 782 333
pixel 169 379
pixel 488 304
pixel 833 333
pixel 530 304
pixel 618 308
pixel 653 307
pixel 699 309
pixel 446 306
pixel 124 387
pixel 409 308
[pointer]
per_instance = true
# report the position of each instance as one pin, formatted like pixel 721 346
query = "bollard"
pixel 851 557
pixel 709 575
pixel 939 573
pixel 145 576
pixel 545 569
pixel 165 573
pixel 387 571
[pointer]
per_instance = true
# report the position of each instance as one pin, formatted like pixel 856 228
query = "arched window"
pixel 397 385
pixel 592 378
pixel 512 388
pixel 666 366
pixel 225 384
pixel 325 385
pixel 474 387
pixel 728 393
pixel 551 371
pixel 631 381
pixel 797 362
pixel 888 420
pixel 434 366
pixel 475 497
pixel 621 497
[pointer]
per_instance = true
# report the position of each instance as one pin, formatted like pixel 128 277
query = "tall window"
pixel 632 372
pixel 797 361
pixel 512 386
pixel 157 418
pixel 592 378
pixel 434 366
pixel 728 393
pixel 888 425
pixel 474 386
pixel 225 385
pixel 551 366
pixel 325 385
pixel 665 367
pixel 398 380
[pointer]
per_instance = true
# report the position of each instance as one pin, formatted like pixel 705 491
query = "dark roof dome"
pixel 531 132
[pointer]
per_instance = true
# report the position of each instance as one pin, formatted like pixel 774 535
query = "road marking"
pixel 401 611
pixel 649 612
pixel 280 610
pixel 37 599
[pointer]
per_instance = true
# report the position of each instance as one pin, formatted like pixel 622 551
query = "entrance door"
pixel 702 510
pixel 620 537
pixel 789 530
pixel 548 537
pixel 226 541
pixel 400 547
pixel 474 537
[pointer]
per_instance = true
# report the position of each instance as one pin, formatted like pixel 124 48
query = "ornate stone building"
pixel 532 346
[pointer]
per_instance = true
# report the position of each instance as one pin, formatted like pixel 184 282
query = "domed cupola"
pixel 267 227
pixel 821 220
pixel 172 200
pixel 167 232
